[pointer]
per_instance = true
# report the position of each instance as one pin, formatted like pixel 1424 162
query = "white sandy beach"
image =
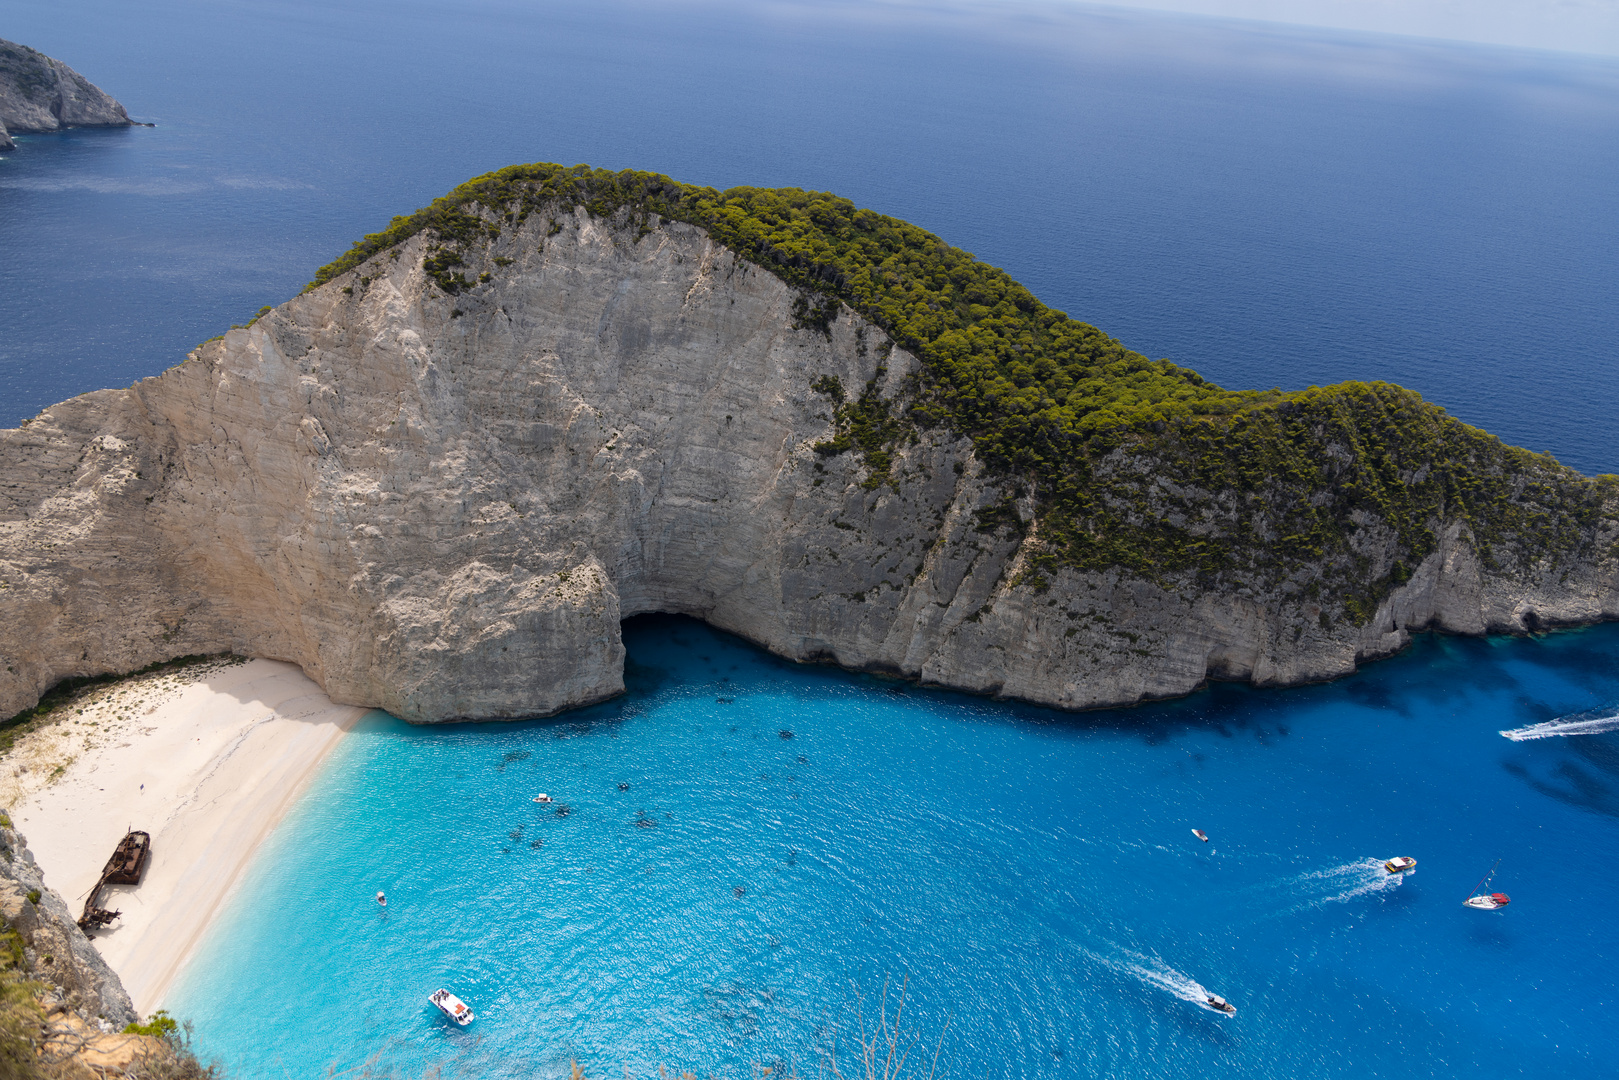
pixel 206 760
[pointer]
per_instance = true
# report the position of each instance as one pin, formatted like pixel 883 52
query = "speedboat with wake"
pixel 451 1006
pixel 1400 864
pixel 1487 901
pixel 1216 1003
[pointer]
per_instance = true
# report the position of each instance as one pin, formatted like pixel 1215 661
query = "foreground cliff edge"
pixel 64 1014
pixel 439 479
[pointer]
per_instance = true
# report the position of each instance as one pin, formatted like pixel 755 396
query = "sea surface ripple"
pixel 792 837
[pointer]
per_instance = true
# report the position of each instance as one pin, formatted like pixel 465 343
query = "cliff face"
pixel 443 505
pixel 55 950
pixel 38 93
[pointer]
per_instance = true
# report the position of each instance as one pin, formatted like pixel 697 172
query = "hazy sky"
pixel 1587 26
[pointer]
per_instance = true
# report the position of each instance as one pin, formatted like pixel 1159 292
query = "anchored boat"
pixel 1487 901
pixel 1201 835
pixel 451 1006
pixel 1400 864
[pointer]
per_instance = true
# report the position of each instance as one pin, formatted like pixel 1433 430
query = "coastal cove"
pixel 1033 874
pixel 206 758
pixel 1029 547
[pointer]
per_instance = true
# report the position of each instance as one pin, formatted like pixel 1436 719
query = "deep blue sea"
pixel 1268 206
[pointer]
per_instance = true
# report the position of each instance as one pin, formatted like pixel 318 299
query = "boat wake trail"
pixel 1161 975
pixel 1154 973
pixel 1595 722
pixel 1315 889
pixel 1343 883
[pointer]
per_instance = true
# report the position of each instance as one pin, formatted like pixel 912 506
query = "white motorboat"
pixel 451 1006
pixel 1201 835
pixel 1400 864
pixel 1216 1003
pixel 542 797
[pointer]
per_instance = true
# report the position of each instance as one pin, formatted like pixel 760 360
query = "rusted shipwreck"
pixel 127 865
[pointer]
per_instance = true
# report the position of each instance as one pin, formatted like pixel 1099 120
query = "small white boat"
pixel 451 1006
pixel 1201 835
pixel 542 797
pixel 1483 901
pixel 1488 903
pixel 1216 1003
pixel 1400 864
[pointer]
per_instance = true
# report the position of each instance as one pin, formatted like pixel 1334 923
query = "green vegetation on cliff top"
pixel 1133 462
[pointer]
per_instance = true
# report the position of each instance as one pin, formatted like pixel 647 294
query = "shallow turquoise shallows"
pixel 791 837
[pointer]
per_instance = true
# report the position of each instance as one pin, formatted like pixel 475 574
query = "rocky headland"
pixel 39 94
pixel 439 478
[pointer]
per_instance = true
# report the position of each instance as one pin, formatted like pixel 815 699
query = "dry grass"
pixel 41 744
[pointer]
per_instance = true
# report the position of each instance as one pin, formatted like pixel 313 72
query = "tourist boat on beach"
pixel 451 1006
pixel 1216 1003
pixel 1400 864
pixel 1484 901
pixel 1201 835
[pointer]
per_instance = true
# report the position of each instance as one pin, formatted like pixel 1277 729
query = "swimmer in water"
pixel 382 901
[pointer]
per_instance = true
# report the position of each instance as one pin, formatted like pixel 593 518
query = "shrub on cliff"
pixel 40 1045
pixel 20 1020
pixel 160 1025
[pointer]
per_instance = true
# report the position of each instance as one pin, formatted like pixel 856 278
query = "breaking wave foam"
pixel 1595 722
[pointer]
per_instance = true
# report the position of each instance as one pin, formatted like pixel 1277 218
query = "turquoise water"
pixel 1032 874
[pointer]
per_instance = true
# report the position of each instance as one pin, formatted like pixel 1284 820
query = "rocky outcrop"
pixel 55 951
pixel 38 93
pixel 64 1013
pixel 444 504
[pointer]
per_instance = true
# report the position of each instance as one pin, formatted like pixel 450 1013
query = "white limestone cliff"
pixel 444 505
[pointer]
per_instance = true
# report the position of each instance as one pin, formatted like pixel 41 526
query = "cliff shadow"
pixel 670 652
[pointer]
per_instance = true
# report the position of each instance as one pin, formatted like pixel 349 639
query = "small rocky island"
pixel 38 94
pixel 440 477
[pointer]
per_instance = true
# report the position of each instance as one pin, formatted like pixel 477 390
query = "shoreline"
pixel 207 760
